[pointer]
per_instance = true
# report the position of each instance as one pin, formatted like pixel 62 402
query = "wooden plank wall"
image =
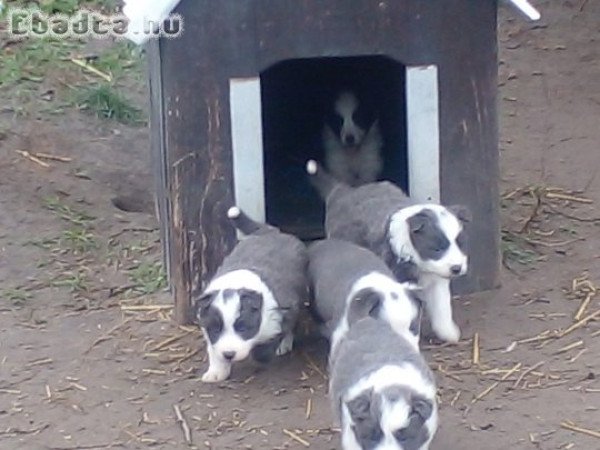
pixel 240 38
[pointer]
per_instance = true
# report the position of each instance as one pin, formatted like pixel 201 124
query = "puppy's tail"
pixel 322 181
pixel 242 222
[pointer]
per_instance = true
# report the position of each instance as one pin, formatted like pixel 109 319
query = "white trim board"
pixel 247 146
pixel 423 133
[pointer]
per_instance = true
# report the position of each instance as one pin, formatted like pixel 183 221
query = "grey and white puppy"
pixel 341 272
pixel 424 243
pixel 251 305
pixel 352 141
pixel 383 393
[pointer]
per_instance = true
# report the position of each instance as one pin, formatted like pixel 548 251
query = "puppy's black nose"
pixel 350 140
pixel 228 355
pixel 455 270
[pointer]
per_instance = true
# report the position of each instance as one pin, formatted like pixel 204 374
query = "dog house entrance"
pixel 278 119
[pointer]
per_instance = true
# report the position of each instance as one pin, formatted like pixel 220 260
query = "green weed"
pixel 66 212
pixel 106 102
pixel 514 249
pixel 79 240
pixel 74 281
pixel 148 277
pixel 16 296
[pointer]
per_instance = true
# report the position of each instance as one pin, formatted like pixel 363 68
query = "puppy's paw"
pixel 286 345
pixel 449 332
pixel 213 375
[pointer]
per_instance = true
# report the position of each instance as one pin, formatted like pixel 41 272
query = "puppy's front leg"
pixel 286 345
pixel 438 302
pixel 219 369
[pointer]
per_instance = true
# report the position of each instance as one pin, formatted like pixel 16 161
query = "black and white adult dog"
pixel 424 243
pixel 382 390
pixel 352 141
pixel 341 272
pixel 251 305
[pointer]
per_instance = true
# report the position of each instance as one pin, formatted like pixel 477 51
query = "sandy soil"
pixel 89 357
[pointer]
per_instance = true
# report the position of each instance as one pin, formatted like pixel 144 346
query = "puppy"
pixel 341 272
pixel 251 305
pixel 382 391
pixel 423 243
pixel 352 141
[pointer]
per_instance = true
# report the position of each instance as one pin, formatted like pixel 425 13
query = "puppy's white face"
pixel 387 414
pixel 350 121
pixel 380 296
pixel 433 237
pixel 232 322
pixel 237 312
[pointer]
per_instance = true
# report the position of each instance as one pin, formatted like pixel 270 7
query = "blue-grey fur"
pixel 334 266
pixel 280 260
pixel 362 215
pixel 369 345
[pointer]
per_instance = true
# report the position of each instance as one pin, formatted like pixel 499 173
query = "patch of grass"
pixel 79 240
pixel 44 244
pixel 28 62
pixel 148 277
pixel 66 6
pixel 66 212
pixel 74 281
pixel 104 101
pixel 120 58
pixel 16 296
pixel 514 250
pixel 60 6
pixel 104 5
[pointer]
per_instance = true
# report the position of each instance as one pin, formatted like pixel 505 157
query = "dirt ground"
pixel 89 357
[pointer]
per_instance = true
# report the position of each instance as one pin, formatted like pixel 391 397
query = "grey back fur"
pixel 280 260
pixel 369 345
pixel 334 266
pixel 362 215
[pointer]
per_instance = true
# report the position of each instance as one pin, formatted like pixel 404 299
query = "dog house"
pixel 235 104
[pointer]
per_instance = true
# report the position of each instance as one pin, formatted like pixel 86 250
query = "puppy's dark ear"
pixel 421 408
pixel 462 213
pixel 200 304
pixel 366 302
pixel 417 222
pixel 251 299
pixel 360 407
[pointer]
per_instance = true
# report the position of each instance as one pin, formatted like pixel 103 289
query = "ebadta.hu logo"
pixel 138 26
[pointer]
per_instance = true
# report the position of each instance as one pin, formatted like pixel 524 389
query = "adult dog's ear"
pixel 201 304
pixel 462 213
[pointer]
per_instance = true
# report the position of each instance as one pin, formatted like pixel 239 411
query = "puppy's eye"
pixel 404 434
pixel 362 118
pixel 240 327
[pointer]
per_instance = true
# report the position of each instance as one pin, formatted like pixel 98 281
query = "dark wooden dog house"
pixel 229 116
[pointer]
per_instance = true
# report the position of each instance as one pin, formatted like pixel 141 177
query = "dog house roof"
pixel 141 12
